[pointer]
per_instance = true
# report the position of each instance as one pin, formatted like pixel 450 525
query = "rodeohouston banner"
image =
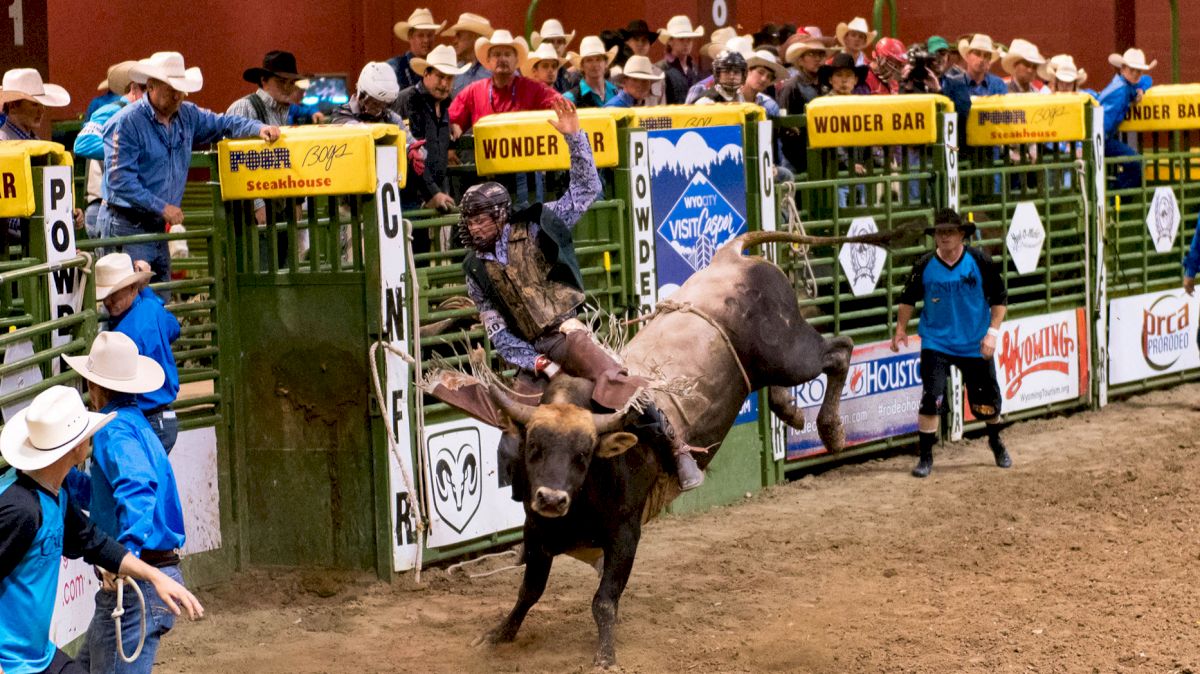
pixel 879 400
pixel 306 161
pixel 1165 107
pixel 16 173
pixel 1027 118
pixel 1152 335
pixel 1042 360
pixel 840 121
pixel 515 142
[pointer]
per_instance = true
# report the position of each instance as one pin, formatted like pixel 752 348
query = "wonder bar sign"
pixel 840 121
pixel 1166 107
pixel 514 142
pixel 1151 335
pixel 16 174
pixel 305 161
pixel 1026 118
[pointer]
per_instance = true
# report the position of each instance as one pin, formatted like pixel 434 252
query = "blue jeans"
pixel 115 224
pixel 99 652
pixel 166 427
pixel 1128 174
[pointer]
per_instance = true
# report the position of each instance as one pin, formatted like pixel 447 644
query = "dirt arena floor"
pixel 1084 557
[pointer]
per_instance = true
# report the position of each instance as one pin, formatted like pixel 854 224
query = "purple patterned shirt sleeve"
pixel 510 347
pixel 584 186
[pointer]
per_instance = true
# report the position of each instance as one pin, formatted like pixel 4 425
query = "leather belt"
pixel 160 558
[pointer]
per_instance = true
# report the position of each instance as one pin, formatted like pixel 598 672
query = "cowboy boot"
pixel 658 432
pixel 999 451
pixel 925 462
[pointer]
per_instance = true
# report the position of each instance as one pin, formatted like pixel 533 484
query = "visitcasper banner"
pixel 1151 335
pixel 1027 118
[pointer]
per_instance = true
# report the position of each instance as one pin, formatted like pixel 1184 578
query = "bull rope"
pixel 668 306
pixel 795 224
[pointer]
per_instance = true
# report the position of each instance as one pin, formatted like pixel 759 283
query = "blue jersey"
pixel 958 300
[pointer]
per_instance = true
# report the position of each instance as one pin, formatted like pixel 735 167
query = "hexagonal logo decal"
pixel 1163 219
pixel 1025 238
pixel 862 263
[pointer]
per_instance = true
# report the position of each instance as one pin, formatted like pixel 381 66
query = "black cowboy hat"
pixel 948 218
pixel 277 64
pixel 637 28
pixel 840 61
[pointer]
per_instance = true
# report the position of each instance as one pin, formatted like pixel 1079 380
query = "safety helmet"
pixel 729 61
pixel 891 48
pixel 378 81
pixel 489 197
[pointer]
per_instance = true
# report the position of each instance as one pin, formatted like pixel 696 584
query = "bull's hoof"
pixel 496 635
pixel 604 660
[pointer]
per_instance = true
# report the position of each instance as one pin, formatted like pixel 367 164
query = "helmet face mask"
pixel 484 210
pixel 729 71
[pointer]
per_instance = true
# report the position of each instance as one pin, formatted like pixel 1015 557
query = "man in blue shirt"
pixel 419 31
pixel 134 497
pixel 979 53
pixel 593 90
pixel 136 311
pixel 1191 263
pixel 89 144
pixel 960 322
pixel 1126 89
pixel 147 152
pixel 39 524
pixel 637 79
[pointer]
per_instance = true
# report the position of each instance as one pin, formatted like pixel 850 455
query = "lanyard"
pixel 491 92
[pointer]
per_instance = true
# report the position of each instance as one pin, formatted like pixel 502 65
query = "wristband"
pixel 546 367
pixel 994 332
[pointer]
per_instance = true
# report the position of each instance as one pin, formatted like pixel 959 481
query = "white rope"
pixel 794 223
pixel 482 558
pixel 119 611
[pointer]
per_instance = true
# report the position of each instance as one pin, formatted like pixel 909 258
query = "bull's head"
pixel 560 440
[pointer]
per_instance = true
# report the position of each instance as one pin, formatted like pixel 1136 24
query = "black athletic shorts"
pixel 979 377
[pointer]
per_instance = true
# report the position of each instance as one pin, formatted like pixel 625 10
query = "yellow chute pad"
pixel 17 159
pixel 1165 107
pixel 695 116
pixel 1028 118
pixel 305 161
pixel 516 142
pixel 858 121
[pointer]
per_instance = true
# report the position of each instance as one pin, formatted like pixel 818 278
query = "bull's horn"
pixel 609 423
pixel 517 411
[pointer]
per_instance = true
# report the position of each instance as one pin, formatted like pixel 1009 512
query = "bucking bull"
pixel 589 484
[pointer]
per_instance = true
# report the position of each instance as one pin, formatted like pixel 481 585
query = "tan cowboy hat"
pixel 25 84
pixel 800 47
pixel 470 23
pixel 114 363
pixel 640 68
pixel 54 423
pixel 742 44
pixel 591 45
pixel 167 66
pixel 981 42
pixel 501 38
pixel 420 19
pixel 552 29
pixel 679 26
pixel 441 58
pixel 1132 58
pixel 544 52
pixel 114 272
pixel 1021 50
pixel 717 41
pixel 118 78
pixel 858 24
pixel 765 59
pixel 1062 67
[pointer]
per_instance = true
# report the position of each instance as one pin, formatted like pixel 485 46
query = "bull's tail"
pixel 902 235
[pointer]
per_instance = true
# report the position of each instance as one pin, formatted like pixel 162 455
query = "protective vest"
pixel 28 594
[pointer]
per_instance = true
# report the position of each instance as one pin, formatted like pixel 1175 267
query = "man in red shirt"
pixel 505 90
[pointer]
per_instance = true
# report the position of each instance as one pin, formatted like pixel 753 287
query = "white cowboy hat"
pixel 441 58
pixel 420 19
pixel 501 38
pixel 167 66
pixel 470 23
pixel 552 29
pixel 591 45
pixel 1021 50
pixel 981 42
pixel 544 52
pixel 679 26
pixel 54 423
pixel 742 44
pixel 640 68
pixel 1062 67
pixel 717 41
pixel 115 271
pixel 378 80
pixel 114 363
pixel 25 84
pixel 1133 58
pixel 858 24
pixel 765 59
pixel 798 49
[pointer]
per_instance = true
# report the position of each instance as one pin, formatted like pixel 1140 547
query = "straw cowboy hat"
pixel 118 78
pixel 420 19
pixel 54 423
pixel 717 41
pixel 470 23
pixel 765 59
pixel 114 363
pixel 552 29
pixel 1021 50
pixel 681 27
pixel 640 68
pixel 981 42
pixel 798 45
pixel 167 66
pixel 544 52
pixel 25 84
pixel 441 58
pixel 1062 67
pixel 591 45
pixel 1132 58
pixel 501 38
pixel 114 272
pixel 858 24
pixel 276 63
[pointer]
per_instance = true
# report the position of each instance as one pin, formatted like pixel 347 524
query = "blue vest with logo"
pixel 27 595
